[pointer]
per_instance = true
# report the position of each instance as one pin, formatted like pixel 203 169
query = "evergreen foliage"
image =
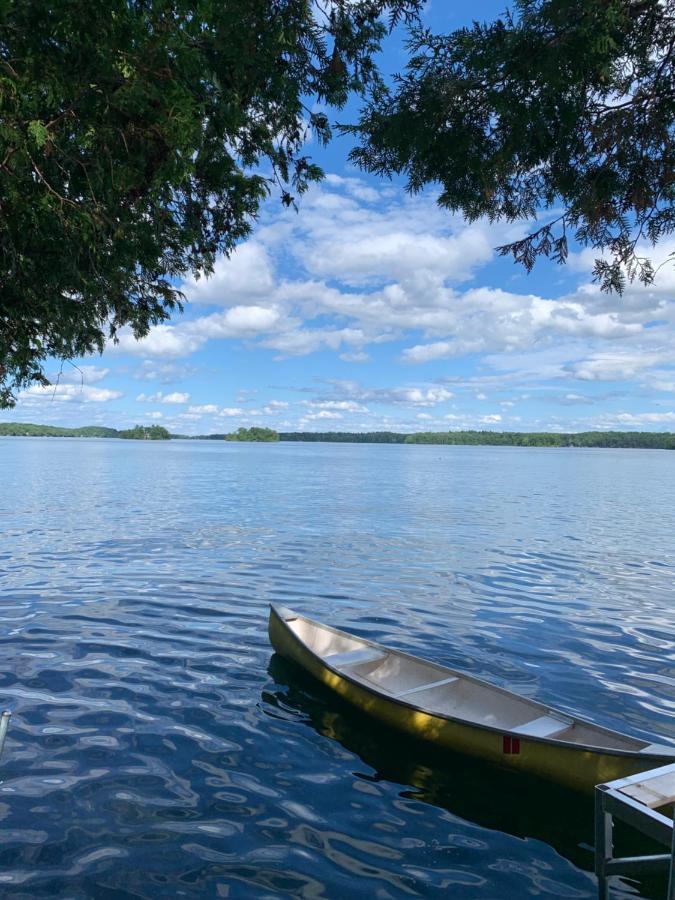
pixel 137 141
pixel 241 434
pixel 253 434
pixel 645 439
pixel 21 429
pixel 563 103
pixel 145 433
pixel 639 439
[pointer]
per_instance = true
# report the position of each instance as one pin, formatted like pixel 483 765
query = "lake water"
pixel 158 749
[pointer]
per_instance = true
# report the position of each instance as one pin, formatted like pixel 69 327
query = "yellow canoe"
pixel 455 710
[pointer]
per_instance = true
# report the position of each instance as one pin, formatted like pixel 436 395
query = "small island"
pixel 145 433
pixel 264 435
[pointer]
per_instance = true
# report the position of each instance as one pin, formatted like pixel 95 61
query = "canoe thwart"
pixel 354 657
pixel 544 726
pixel 426 687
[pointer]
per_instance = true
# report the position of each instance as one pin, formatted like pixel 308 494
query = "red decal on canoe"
pixel 510 745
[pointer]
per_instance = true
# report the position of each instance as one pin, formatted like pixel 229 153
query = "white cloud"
pixel 363 265
pixel 71 374
pixel 164 373
pixel 488 320
pixel 625 420
pixel 206 409
pixel 341 405
pixel 69 393
pixel 186 337
pixel 663 384
pixel 642 418
pixel 323 414
pixel 159 397
pixel 274 408
pixel 166 341
pixel 616 366
pixel 301 341
pixel 231 411
pixel 247 273
pixel 351 396
pixel 357 356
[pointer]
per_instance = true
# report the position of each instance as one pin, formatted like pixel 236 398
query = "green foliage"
pixel 137 141
pixel 145 433
pixel 565 102
pixel 241 434
pixel 645 439
pixel 253 434
pixel 21 429
pixel 627 439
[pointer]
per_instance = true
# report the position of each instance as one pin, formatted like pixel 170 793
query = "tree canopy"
pixel 255 433
pixel 137 141
pixel 563 103
pixel 627 439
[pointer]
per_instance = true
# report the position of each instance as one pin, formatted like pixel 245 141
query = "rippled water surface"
pixel 158 749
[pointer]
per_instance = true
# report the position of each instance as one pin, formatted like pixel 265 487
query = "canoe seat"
pixel 544 726
pixel 426 687
pixel 352 657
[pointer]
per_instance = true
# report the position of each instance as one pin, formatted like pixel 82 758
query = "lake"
pixel 158 749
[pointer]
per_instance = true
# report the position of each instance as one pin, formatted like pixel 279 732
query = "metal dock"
pixel 636 801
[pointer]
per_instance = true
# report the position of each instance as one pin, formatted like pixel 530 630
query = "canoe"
pixel 455 711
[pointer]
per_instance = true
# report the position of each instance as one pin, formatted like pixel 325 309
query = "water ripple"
pixel 156 748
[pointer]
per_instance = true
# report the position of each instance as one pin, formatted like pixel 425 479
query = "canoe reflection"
pixel 487 795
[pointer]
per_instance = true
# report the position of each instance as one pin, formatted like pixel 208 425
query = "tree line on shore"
pixel 646 439
pixel 138 432
pixel 655 440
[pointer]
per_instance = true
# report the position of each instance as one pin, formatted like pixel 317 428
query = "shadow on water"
pixel 489 796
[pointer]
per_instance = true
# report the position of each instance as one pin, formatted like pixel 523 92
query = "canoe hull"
pixel 575 767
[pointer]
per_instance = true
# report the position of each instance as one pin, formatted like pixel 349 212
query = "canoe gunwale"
pixel 401 701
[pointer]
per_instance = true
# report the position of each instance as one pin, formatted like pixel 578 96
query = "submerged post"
pixel 4 725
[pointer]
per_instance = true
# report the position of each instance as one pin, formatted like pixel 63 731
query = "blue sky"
pixel 370 309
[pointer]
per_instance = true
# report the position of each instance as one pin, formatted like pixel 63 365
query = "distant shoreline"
pixel 652 440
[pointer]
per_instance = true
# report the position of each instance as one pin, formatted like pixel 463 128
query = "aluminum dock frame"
pixel 635 800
